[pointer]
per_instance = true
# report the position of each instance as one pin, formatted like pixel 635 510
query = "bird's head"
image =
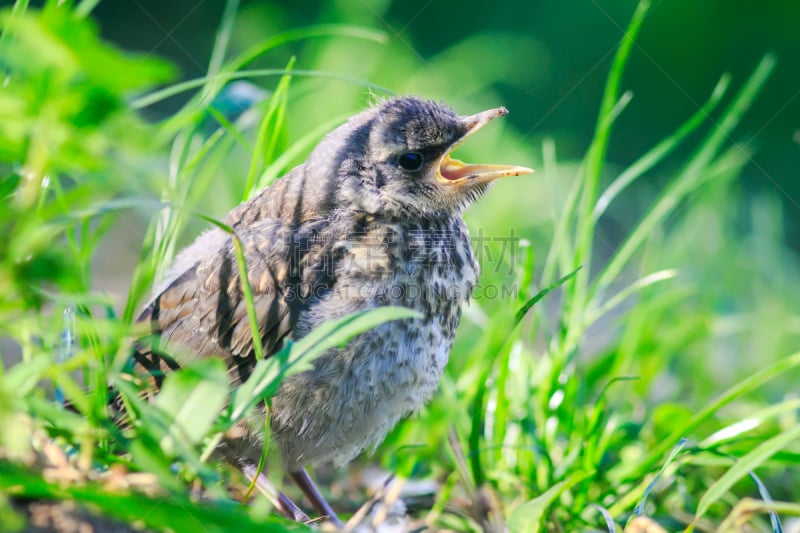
pixel 394 159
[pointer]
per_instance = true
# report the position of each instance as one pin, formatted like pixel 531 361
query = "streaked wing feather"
pixel 203 311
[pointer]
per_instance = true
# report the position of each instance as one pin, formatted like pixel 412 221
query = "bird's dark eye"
pixel 411 161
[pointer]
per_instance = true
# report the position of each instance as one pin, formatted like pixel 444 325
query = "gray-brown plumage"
pixel 372 218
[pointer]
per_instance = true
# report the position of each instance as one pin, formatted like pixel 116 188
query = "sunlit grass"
pixel 653 379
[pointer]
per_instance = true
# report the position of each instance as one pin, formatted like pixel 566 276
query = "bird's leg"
pixel 280 500
pixel 288 508
pixel 303 480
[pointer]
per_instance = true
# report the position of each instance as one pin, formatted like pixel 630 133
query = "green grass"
pixel 652 379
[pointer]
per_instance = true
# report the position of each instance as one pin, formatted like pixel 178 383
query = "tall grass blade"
pixel 639 509
pixel 688 179
pixel 593 167
pixel 749 462
pixel 662 149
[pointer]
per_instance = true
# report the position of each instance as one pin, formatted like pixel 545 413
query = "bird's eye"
pixel 410 161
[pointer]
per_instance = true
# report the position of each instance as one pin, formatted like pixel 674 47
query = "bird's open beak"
pixel 455 171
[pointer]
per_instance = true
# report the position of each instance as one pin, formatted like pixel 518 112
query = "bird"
pixel 372 218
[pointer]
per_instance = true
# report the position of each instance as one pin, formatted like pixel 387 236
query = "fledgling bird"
pixel 372 218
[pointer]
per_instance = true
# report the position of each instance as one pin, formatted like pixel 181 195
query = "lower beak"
pixel 455 171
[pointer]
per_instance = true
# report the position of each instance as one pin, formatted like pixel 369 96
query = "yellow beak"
pixel 455 171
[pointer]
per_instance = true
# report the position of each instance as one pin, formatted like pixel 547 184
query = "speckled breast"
pixel 356 394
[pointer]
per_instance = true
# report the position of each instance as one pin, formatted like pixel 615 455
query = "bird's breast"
pixel 360 391
pixel 425 266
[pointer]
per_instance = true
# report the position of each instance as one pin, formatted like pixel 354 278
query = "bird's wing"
pixel 202 311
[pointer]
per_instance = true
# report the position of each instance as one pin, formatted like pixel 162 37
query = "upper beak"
pixel 455 171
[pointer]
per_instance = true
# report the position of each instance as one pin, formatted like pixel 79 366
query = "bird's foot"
pixel 303 480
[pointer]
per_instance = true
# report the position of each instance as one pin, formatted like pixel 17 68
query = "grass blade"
pixel 661 150
pixel 541 294
pixel 593 167
pixel 298 356
pixel 302 34
pixel 743 511
pixel 298 147
pixel 689 177
pixel 774 519
pixel 221 77
pixel 627 292
pixel 610 524
pixel 221 40
pixel 743 467
pixel 247 290
pixel 527 518
pixel 269 131
pixel 747 385
pixel 177 510
pixel 639 509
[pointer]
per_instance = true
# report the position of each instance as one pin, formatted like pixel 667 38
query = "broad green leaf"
pixel 24 377
pixel 193 396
